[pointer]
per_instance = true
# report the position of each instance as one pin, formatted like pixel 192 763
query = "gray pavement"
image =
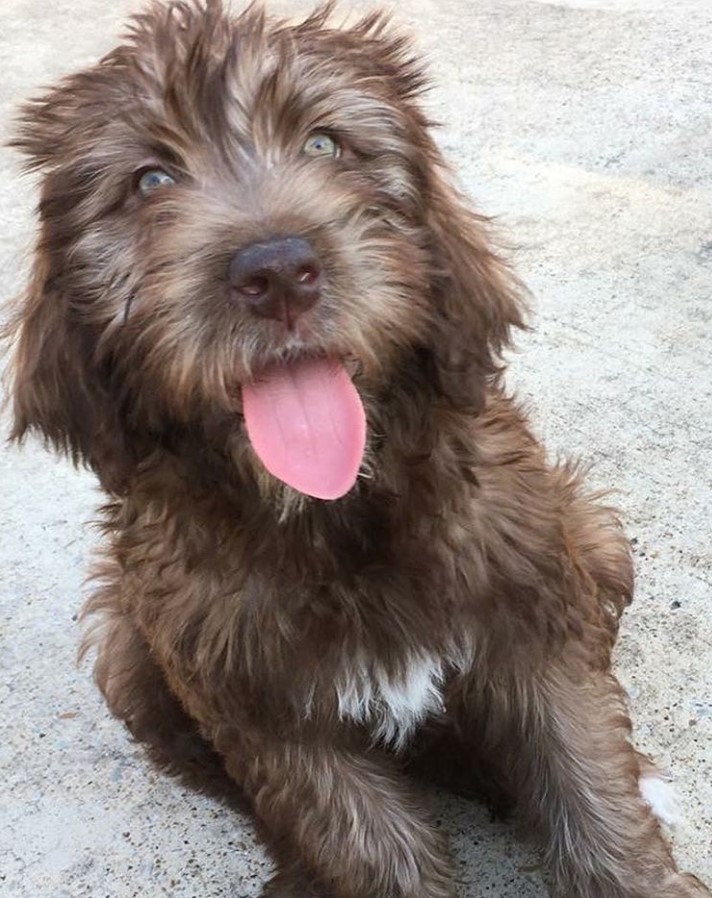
pixel 585 127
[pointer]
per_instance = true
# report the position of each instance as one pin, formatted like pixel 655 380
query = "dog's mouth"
pixel 307 425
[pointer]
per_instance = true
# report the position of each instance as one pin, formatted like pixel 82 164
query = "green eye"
pixel 152 179
pixel 321 144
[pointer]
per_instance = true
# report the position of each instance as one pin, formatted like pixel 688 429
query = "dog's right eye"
pixel 319 143
pixel 150 179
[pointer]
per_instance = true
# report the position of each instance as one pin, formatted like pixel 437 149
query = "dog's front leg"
pixel 343 816
pixel 578 779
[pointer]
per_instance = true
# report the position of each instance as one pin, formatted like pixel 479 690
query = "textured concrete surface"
pixel 585 127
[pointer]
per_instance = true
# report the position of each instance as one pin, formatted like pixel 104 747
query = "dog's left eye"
pixel 151 179
pixel 321 144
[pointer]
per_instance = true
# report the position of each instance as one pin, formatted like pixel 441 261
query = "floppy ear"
pixel 477 299
pixel 56 386
pixel 55 389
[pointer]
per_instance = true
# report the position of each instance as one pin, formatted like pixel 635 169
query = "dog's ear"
pixel 477 300
pixel 50 125
pixel 393 54
pixel 55 388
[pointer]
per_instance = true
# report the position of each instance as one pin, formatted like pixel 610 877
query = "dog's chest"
pixel 392 704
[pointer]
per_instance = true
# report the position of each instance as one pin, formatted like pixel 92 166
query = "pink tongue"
pixel 307 425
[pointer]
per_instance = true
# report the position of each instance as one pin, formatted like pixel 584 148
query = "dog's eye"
pixel 151 179
pixel 321 144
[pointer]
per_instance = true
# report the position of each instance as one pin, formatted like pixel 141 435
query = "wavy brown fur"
pixel 236 619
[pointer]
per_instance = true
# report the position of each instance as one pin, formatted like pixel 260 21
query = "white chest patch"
pixel 392 704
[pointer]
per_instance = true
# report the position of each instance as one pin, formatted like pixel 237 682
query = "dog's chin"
pixel 285 501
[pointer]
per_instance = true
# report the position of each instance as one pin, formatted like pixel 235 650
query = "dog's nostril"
pixel 308 274
pixel 256 286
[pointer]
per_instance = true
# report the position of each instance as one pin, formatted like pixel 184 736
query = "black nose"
pixel 279 278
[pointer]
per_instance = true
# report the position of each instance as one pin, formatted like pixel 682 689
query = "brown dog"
pixel 263 316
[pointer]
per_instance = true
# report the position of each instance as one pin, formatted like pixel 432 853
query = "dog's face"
pixel 226 198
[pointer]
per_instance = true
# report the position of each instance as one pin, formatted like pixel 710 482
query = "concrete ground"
pixel 585 126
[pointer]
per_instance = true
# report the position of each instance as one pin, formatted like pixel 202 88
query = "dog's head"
pixel 228 200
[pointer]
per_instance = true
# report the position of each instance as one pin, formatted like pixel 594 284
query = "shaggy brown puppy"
pixel 263 316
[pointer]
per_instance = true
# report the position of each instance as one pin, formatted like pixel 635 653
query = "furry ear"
pixel 55 389
pixel 49 125
pixel 56 386
pixel 477 299
pixel 393 53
